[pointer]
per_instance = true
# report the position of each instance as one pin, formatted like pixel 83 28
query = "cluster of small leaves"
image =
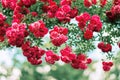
pixel 50 22
pixel 37 7
pixel 94 9
pixel 8 13
pixel 34 41
pixel 110 56
pixel 76 39
pixel 4 45
pixel 110 33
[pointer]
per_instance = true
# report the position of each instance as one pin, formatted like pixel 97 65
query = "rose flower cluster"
pixel 114 12
pixel 104 47
pixel 107 65
pixel 33 53
pixel 89 3
pixel 89 24
pixel 38 29
pixel 16 34
pixel 58 35
pixel 51 57
pixel 11 4
pixel 63 12
pixel 77 61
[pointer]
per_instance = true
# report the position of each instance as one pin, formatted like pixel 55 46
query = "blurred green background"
pixel 13 66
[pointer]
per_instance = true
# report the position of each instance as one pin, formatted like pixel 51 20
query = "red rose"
pixel 89 60
pixel 104 47
pixel 58 35
pixel 82 20
pixel 106 68
pixel 60 15
pixel 51 57
pixel 66 55
pixel 88 34
pixel 65 2
pixel 94 2
pixel 28 3
pixel 107 48
pixel 11 4
pixel 16 34
pixel 45 8
pixel 107 65
pixel 75 64
pixel 101 45
pixel 95 23
pixel 73 13
pixel 110 15
pixel 33 54
pixel 34 14
pixel 103 3
pixel 50 14
pixel 87 3
pixel 81 57
pixel 59 40
pixel 66 8
pixel 81 62
pixel 53 8
pixel 34 61
pixel 83 66
pixel 38 28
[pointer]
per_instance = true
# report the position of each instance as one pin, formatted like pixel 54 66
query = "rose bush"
pixel 71 25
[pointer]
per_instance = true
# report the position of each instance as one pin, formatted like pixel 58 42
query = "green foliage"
pixel 57 72
pixel 77 40
pixel 67 73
